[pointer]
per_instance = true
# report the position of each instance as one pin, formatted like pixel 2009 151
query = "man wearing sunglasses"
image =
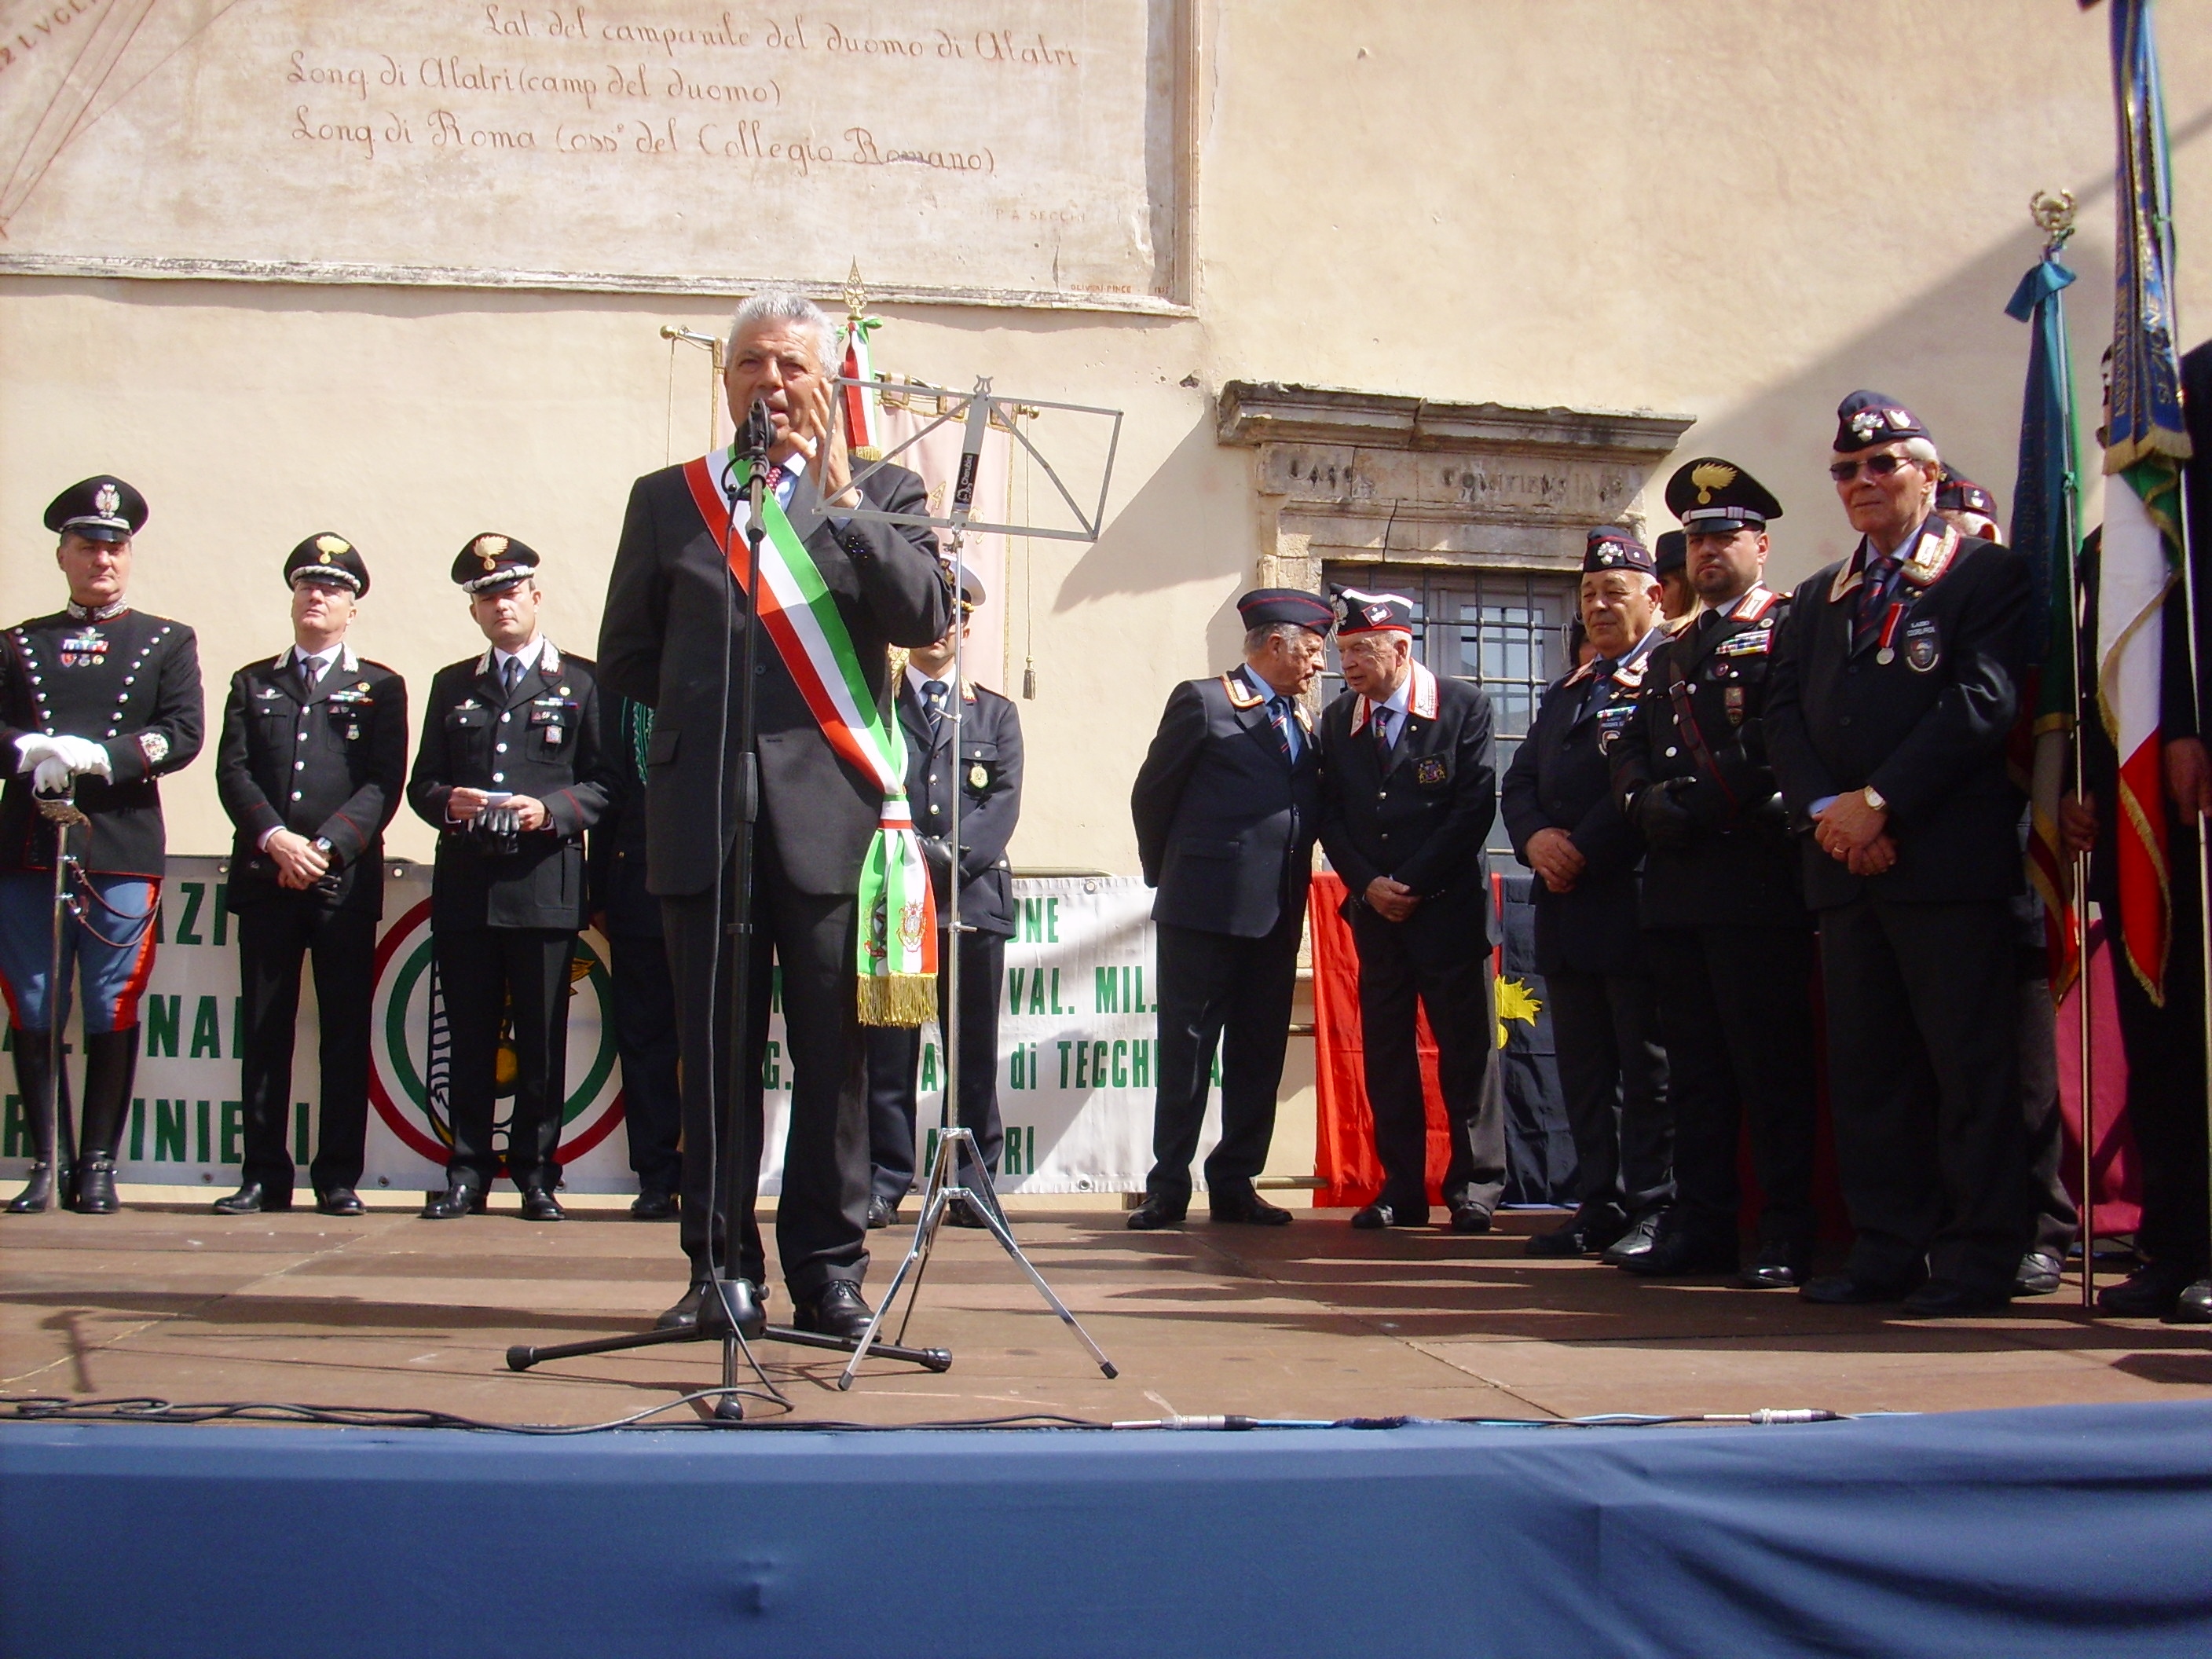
pixel 1894 684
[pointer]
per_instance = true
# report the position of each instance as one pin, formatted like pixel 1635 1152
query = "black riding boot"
pixel 34 1082
pixel 111 1061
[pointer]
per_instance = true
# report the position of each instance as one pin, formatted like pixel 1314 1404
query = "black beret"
pixel 1263 605
pixel 1670 553
pixel 1610 547
pixel 1960 493
pixel 1714 497
pixel 490 561
pixel 327 557
pixel 1867 418
pixel 100 509
pixel 1374 613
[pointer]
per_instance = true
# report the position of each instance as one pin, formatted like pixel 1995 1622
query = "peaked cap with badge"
pixel 1373 613
pixel 1960 493
pixel 102 508
pixel 327 557
pixel 1263 605
pixel 490 562
pixel 1866 420
pixel 1715 498
pixel 1608 547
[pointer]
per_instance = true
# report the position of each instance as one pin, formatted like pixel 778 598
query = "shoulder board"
pixel 1421 702
pixel 1241 695
pixel 1756 603
pixel 1628 676
pixel 1847 577
pixel 1931 558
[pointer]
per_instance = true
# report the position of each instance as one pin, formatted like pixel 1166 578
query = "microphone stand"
pixel 61 812
pixel 730 1312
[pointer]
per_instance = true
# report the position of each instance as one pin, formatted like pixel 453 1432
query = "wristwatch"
pixel 1874 799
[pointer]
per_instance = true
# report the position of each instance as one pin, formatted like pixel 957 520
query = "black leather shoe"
pixel 684 1315
pixel 2039 1274
pixel 2149 1292
pixel 651 1205
pixel 1585 1232
pixel 538 1204
pixel 836 1310
pixel 2193 1306
pixel 1241 1207
pixel 1679 1252
pixel 1154 1214
pixel 1468 1218
pixel 959 1213
pixel 1635 1242
pixel 1777 1267
pixel 1947 1298
pixel 1379 1215
pixel 340 1201
pixel 1848 1291
pixel 95 1187
pixel 38 1190
pixel 881 1214
pixel 254 1199
pixel 462 1198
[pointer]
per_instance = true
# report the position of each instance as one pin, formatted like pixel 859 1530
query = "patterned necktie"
pixel 933 703
pixel 1874 596
pixel 1382 741
pixel 1279 713
pixel 1602 672
pixel 509 672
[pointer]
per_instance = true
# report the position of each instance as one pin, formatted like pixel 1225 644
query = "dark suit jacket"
pixel 138 697
pixel 988 773
pixel 674 609
pixel 1423 822
pixel 1225 823
pixel 465 719
pixel 1559 780
pixel 1928 729
pixel 329 765
pixel 616 855
pixel 1743 868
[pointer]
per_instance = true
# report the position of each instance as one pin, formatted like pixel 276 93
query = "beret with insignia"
pixel 1960 493
pixel 1611 547
pixel 1374 613
pixel 1263 605
pixel 327 557
pixel 100 509
pixel 1867 418
pixel 1714 497
pixel 490 562
pixel 1670 553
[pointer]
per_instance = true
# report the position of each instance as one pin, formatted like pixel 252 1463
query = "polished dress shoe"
pixel 38 1190
pixel 2193 1306
pixel 1777 1267
pixel 1241 1207
pixel 1947 1298
pixel 1847 1290
pixel 2149 1292
pixel 836 1310
pixel 959 1213
pixel 752 1302
pixel 538 1204
pixel 1636 1240
pixel 1468 1218
pixel 254 1198
pixel 95 1187
pixel 652 1205
pixel 2039 1274
pixel 462 1198
pixel 1154 1214
pixel 1678 1252
pixel 1586 1232
pixel 340 1201
pixel 881 1214
pixel 1379 1215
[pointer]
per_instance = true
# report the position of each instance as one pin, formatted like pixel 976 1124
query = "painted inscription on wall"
pixel 1007 145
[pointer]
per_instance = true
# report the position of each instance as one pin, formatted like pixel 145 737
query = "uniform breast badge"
pixel 1429 771
pixel 977 777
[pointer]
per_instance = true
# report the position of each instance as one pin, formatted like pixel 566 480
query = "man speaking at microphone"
pixel 839 592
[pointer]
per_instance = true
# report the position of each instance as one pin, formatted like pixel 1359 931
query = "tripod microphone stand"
pixel 729 1310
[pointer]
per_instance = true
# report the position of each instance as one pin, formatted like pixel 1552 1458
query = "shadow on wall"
pixel 1958 381
pixel 1190 522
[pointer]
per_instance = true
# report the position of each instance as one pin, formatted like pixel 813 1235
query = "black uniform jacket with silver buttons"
pixel 1422 821
pixel 327 765
pixel 1558 780
pixel 1927 729
pixel 1225 820
pixel 988 774
pixel 1742 867
pixel 129 683
pixel 541 740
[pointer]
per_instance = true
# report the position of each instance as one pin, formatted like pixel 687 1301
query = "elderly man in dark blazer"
pixel 1226 805
pixel 675 619
pixel 986 770
pixel 1409 789
pixel 1558 803
pixel 1894 684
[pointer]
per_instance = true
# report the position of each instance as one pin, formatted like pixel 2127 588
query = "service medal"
pixel 1884 656
pixel 977 777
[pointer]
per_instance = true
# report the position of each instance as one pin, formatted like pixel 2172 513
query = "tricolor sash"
pixel 896 960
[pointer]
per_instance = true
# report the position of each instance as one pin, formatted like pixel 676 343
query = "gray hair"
pixel 787 305
pixel 1255 638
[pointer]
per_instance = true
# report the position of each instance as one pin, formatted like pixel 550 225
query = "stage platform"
pixel 1309 1320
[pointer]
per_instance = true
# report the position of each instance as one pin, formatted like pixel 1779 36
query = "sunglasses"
pixel 1878 467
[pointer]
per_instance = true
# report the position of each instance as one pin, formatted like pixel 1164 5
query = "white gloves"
pixel 81 755
pixel 52 761
pixel 32 748
pixel 53 776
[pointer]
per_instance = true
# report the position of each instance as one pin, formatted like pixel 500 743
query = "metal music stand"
pixel 945 1185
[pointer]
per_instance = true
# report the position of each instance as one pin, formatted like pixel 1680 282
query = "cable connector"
pixel 1798 1415
pixel 1180 1422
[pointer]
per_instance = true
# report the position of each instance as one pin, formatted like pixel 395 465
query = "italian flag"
pixel 2139 562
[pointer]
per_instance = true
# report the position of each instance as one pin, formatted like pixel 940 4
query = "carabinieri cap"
pixel 491 561
pixel 1714 497
pixel 100 509
pixel 1611 547
pixel 1374 613
pixel 1263 605
pixel 1867 418
pixel 1960 493
pixel 327 557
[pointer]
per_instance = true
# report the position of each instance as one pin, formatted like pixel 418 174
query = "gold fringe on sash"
pixel 898 999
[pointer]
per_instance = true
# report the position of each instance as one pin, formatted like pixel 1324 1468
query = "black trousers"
pixel 821 1218
pixel 1923 1068
pixel 895 1055
pixel 2166 1077
pixel 1217 990
pixel 1429 963
pixel 1735 1005
pixel 1613 1071
pixel 646 1041
pixel 273 936
pixel 2057 1223
pixel 520 973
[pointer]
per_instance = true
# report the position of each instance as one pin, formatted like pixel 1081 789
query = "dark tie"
pixel 311 675
pixel 509 672
pixel 1874 595
pixel 932 703
pixel 1382 739
pixel 1602 672
pixel 1278 713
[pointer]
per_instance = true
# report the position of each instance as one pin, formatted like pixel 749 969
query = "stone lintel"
pixel 1254 413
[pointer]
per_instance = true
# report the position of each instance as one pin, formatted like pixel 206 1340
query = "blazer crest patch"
pixel 1429 771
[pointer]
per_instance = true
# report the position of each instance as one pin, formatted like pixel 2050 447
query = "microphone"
pixel 757 434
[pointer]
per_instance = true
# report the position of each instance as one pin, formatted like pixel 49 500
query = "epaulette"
pixel 1241 695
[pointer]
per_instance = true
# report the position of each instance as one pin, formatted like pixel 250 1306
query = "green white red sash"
pixel 896 961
